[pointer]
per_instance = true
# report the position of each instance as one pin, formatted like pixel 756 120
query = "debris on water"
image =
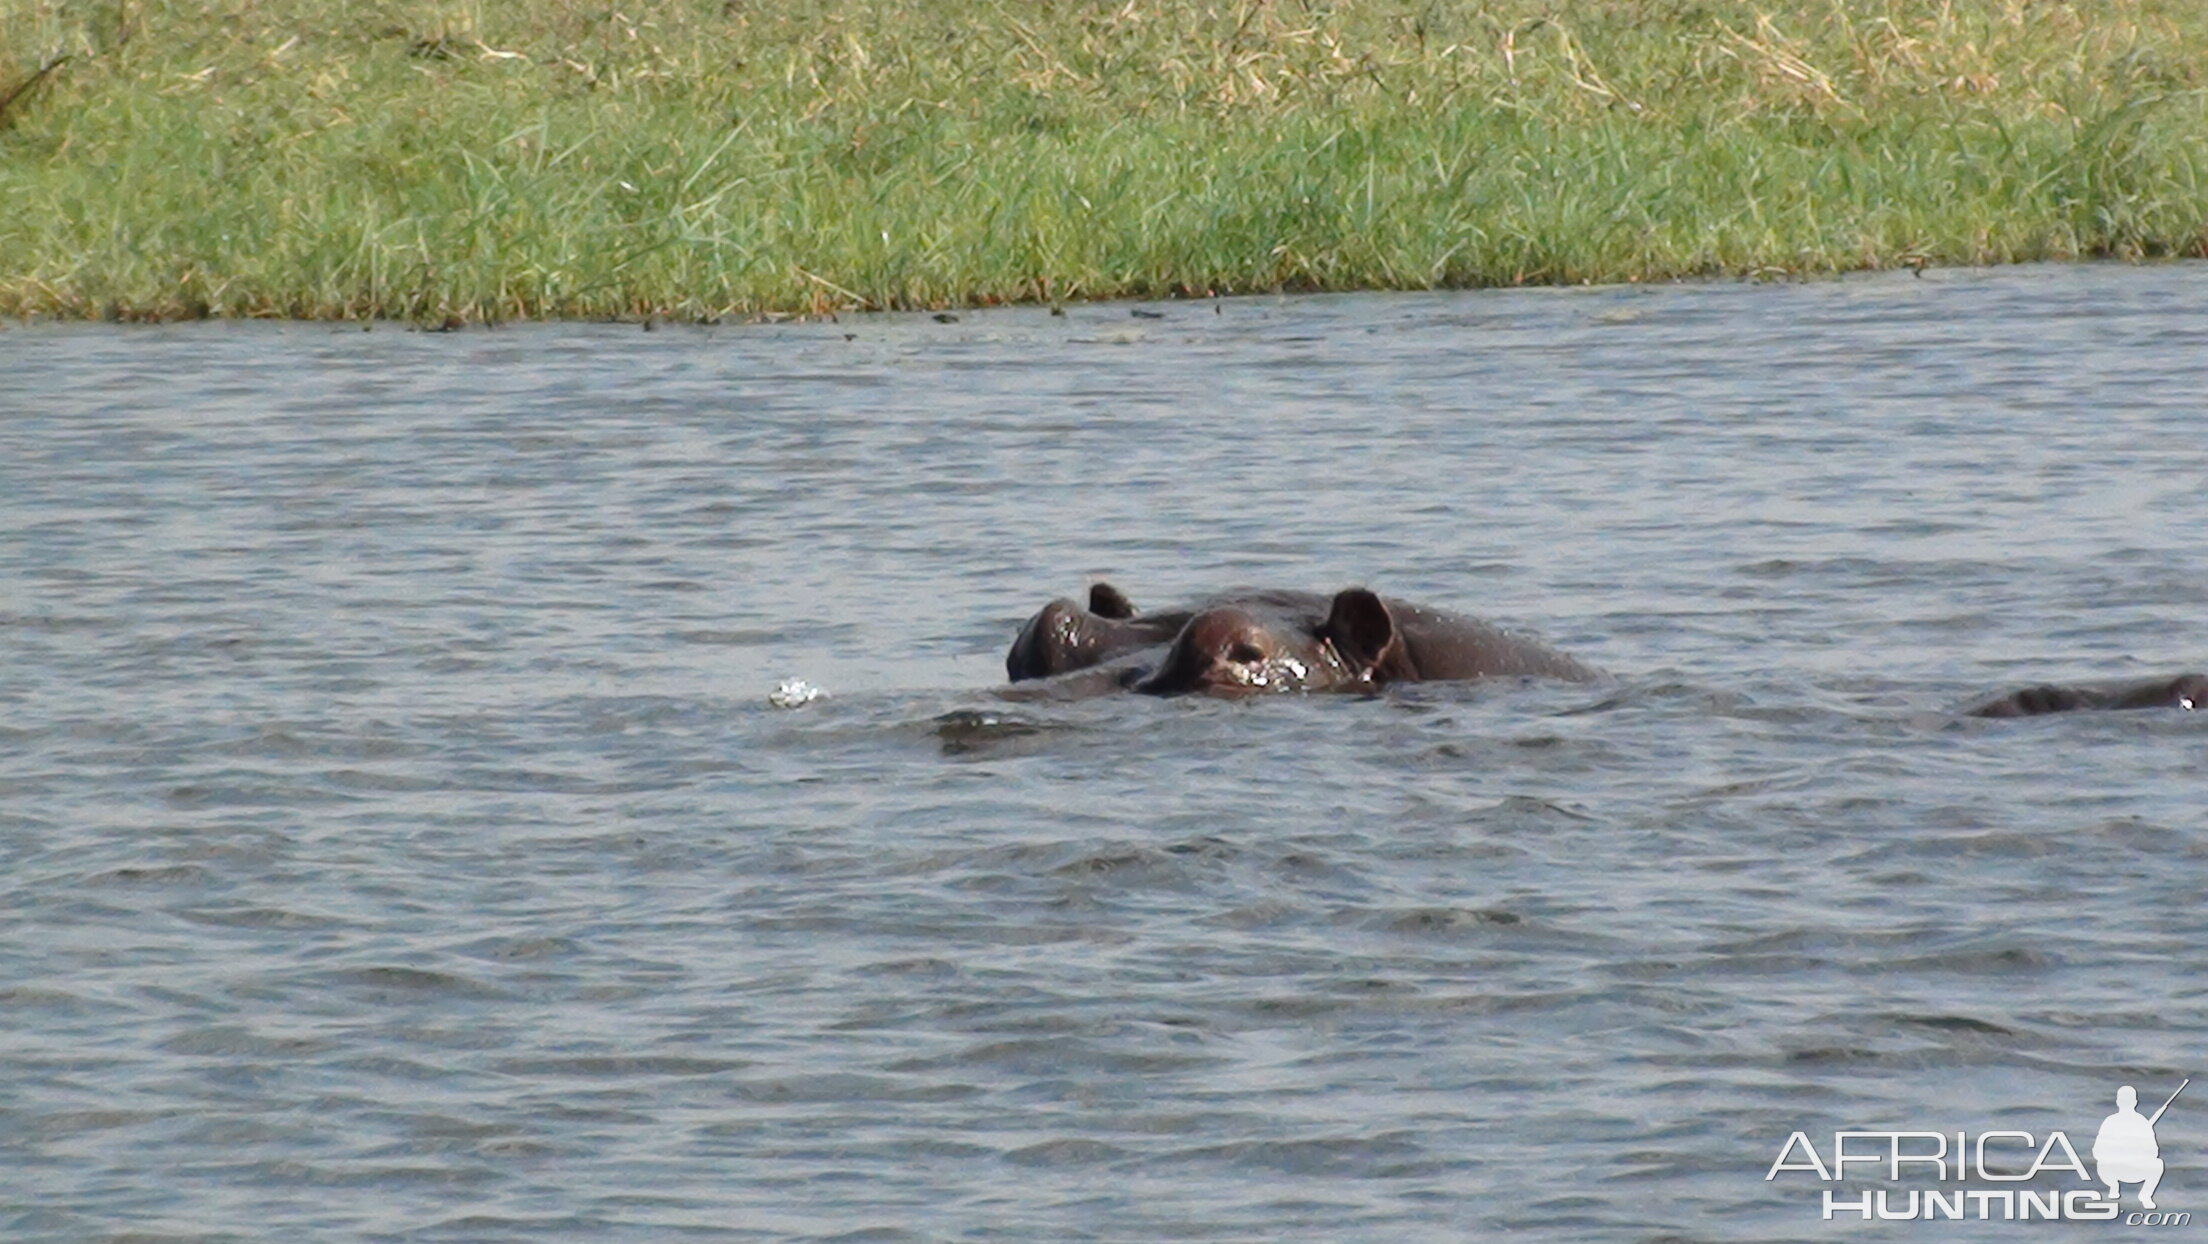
pixel 792 692
pixel 970 730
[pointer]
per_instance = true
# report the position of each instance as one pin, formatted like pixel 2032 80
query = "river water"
pixel 398 843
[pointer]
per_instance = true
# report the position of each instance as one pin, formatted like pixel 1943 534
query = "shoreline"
pixel 1130 314
pixel 710 163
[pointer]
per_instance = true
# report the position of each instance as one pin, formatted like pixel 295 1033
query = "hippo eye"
pixel 1245 654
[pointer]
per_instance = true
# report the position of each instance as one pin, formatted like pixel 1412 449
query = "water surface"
pixel 396 843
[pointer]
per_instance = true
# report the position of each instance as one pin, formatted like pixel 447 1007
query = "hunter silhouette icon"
pixel 2124 1150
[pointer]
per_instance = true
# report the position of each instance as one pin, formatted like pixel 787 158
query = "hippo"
pixel 1064 637
pixel 1250 642
pixel 2186 691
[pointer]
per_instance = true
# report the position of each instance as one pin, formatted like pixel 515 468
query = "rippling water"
pixel 398 844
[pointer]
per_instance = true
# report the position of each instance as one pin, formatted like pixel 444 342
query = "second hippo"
pixel 1063 637
pixel 2185 691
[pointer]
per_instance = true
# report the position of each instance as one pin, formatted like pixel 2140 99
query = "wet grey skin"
pixel 1064 637
pixel 2185 691
pixel 1250 642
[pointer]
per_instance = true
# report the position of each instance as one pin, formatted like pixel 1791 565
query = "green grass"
pixel 707 158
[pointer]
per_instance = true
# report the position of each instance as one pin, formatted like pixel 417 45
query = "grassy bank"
pixel 701 158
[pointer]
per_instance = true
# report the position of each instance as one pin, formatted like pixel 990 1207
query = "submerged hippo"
pixel 1064 637
pixel 2186 691
pixel 1251 641
pixel 1248 641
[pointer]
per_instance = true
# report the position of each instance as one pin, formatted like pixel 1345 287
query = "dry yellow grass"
pixel 543 158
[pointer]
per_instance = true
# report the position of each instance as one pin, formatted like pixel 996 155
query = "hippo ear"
pixel 1363 632
pixel 1106 601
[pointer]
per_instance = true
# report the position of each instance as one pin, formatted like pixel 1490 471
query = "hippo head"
pixel 2190 692
pixel 1064 637
pixel 2186 691
pixel 1247 649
